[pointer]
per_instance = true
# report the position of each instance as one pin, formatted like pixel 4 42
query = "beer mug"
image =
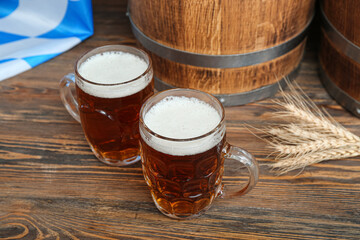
pixel 111 82
pixel 183 148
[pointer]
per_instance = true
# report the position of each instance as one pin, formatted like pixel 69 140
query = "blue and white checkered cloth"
pixel 34 31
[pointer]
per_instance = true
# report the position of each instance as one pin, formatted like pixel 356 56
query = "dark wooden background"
pixel 52 186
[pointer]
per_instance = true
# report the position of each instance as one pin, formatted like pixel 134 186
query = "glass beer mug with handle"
pixel 183 147
pixel 112 82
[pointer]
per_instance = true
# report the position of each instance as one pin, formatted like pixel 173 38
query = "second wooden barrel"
pixel 237 50
pixel 340 52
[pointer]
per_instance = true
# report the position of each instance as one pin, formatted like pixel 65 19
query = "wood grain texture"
pixel 227 80
pixel 341 69
pixel 344 16
pixel 52 186
pixel 221 28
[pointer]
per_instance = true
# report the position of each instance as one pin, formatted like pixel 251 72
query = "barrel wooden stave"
pixel 342 70
pixel 224 27
pixel 339 51
pixel 229 80
pixel 221 27
pixel 344 16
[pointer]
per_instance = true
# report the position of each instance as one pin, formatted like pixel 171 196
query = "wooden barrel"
pixel 237 50
pixel 340 52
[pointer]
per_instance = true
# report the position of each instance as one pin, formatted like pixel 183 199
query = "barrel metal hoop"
pixel 341 42
pixel 218 61
pixel 339 95
pixel 236 99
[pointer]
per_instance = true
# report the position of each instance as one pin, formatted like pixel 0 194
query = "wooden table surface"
pixel 53 187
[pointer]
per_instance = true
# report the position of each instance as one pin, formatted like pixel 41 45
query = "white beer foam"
pixel 183 118
pixel 111 68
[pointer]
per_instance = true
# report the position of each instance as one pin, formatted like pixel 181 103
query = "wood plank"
pixel 53 187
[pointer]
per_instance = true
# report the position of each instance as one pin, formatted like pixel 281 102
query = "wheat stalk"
pixel 295 133
pixel 314 146
pixel 293 163
pixel 319 123
pixel 310 135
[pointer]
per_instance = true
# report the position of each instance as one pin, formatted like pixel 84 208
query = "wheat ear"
pixel 310 135
pixel 293 163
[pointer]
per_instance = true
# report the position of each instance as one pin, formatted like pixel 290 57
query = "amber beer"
pixel 183 151
pixel 183 188
pixel 182 158
pixel 111 86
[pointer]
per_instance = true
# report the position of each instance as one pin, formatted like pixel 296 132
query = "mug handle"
pixel 244 157
pixel 67 97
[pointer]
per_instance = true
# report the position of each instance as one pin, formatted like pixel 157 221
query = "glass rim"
pixel 111 48
pixel 208 133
